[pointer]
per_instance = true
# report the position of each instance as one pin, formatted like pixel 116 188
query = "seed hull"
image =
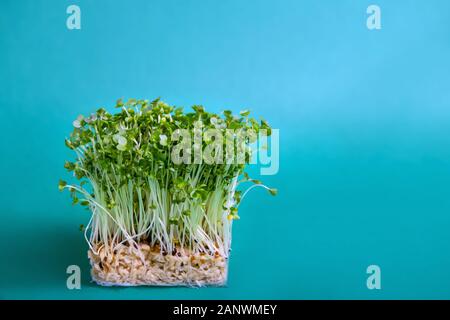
pixel 145 265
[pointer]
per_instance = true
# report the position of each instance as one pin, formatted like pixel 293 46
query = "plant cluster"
pixel 135 190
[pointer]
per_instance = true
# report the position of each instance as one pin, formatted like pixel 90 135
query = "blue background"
pixel 364 122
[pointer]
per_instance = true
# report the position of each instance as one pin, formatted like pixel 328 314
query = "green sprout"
pixel 137 193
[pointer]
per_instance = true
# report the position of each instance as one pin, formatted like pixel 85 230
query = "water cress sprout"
pixel 138 194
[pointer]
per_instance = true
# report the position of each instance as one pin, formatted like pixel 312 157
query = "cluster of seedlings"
pixel 160 216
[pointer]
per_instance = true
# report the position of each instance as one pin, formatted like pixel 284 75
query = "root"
pixel 124 267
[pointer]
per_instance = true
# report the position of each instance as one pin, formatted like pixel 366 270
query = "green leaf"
pixel 198 109
pixel 131 102
pixel 237 196
pixel 186 213
pixel 70 166
pixel 244 113
pixel 79 173
pixel 228 115
pixel 119 103
pixel 69 144
pixel 61 184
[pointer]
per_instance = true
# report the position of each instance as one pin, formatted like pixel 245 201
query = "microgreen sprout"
pixel 138 194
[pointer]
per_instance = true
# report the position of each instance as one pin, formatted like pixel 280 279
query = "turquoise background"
pixel 364 119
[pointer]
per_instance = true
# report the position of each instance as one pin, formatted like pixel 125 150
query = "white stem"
pixel 253 187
